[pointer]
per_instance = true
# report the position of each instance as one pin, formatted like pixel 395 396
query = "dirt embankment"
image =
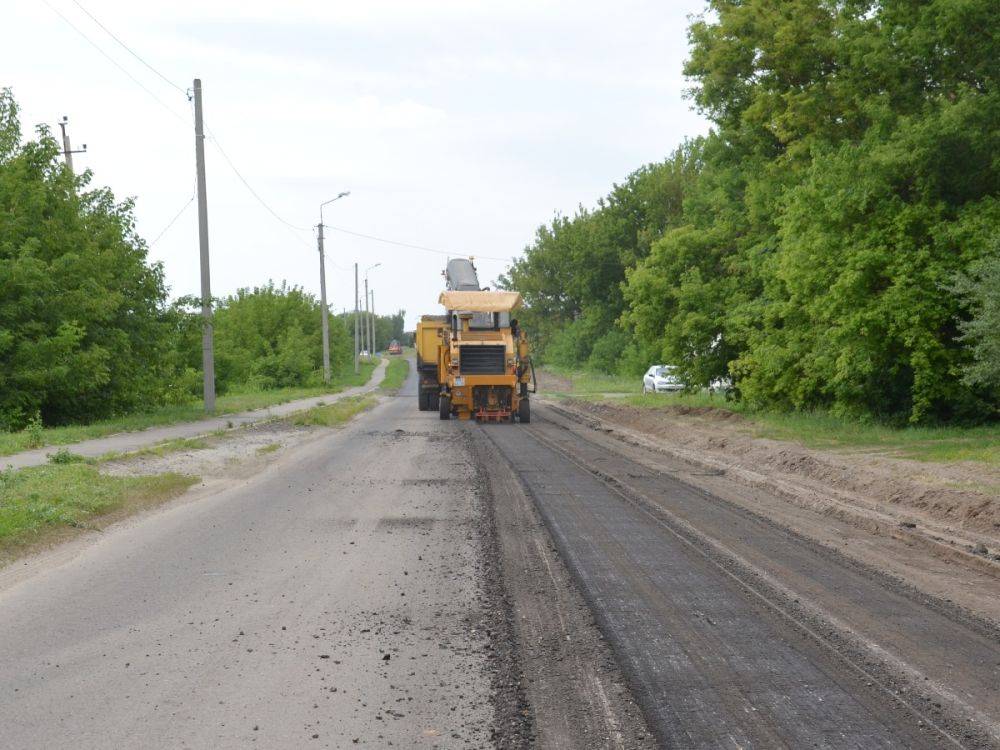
pixel 549 382
pixel 952 502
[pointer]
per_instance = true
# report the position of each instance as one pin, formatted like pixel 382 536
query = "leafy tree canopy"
pixel 83 330
pixel 809 246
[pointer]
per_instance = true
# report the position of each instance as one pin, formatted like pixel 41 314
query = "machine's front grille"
pixel 481 360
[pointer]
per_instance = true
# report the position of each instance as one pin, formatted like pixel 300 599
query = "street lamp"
pixel 371 325
pixel 322 288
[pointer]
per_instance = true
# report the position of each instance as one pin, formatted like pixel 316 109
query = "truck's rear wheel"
pixel 444 407
pixel 524 411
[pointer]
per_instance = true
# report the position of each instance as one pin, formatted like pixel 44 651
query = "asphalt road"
pixel 735 633
pixel 331 601
pixel 413 582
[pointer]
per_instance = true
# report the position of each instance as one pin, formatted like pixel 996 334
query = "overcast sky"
pixel 455 124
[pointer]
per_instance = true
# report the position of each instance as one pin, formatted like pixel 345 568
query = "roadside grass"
pixel 172 446
pixel 395 374
pixel 44 504
pixel 702 400
pixel 589 383
pixel 65 456
pixel 35 436
pixel 936 444
pixel 269 448
pixel 334 414
pixel 816 429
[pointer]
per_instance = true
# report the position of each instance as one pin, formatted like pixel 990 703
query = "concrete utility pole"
pixel 357 364
pixel 324 311
pixel 322 305
pixel 374 343
pixel 207 343
pixel 67 149
pixel 368 322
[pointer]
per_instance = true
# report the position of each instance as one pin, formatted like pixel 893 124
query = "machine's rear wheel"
pixel 422 400
pixel 444 407
pixel 433 401
pixel 524 411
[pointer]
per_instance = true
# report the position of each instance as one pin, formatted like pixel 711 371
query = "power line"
pixel 215 141
pixel 214 138
pixel 172 221
pixel 415 247
pixel 126 47
pixel 114 62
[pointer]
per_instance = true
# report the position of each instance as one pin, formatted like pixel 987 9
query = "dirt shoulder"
pixel 925 523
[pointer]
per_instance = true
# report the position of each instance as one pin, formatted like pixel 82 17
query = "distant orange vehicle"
pixel 395 348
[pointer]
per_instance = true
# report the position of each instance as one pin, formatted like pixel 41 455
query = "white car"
pixel 720 385
pixel 661 379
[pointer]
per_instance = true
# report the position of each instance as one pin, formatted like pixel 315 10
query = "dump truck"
pixel 484 367
pixel 427 341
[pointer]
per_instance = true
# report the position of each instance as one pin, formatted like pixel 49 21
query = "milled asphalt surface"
pixel 716 657
pixel 331 601
pixel 124 442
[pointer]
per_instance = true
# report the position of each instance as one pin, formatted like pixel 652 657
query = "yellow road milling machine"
pixel 460 276
pixel 484 367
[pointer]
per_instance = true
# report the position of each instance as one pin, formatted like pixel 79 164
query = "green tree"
pixel 807 245
pixel 270 337
pixel 979 288
pixel 572 276
pixel 83 326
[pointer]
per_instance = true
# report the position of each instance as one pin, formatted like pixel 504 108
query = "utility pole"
pixel 357 365
pixel 322 288
pixel 207 344
pixel 373 321
pixel 368 322
pixel 67 149
pixel 322 305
